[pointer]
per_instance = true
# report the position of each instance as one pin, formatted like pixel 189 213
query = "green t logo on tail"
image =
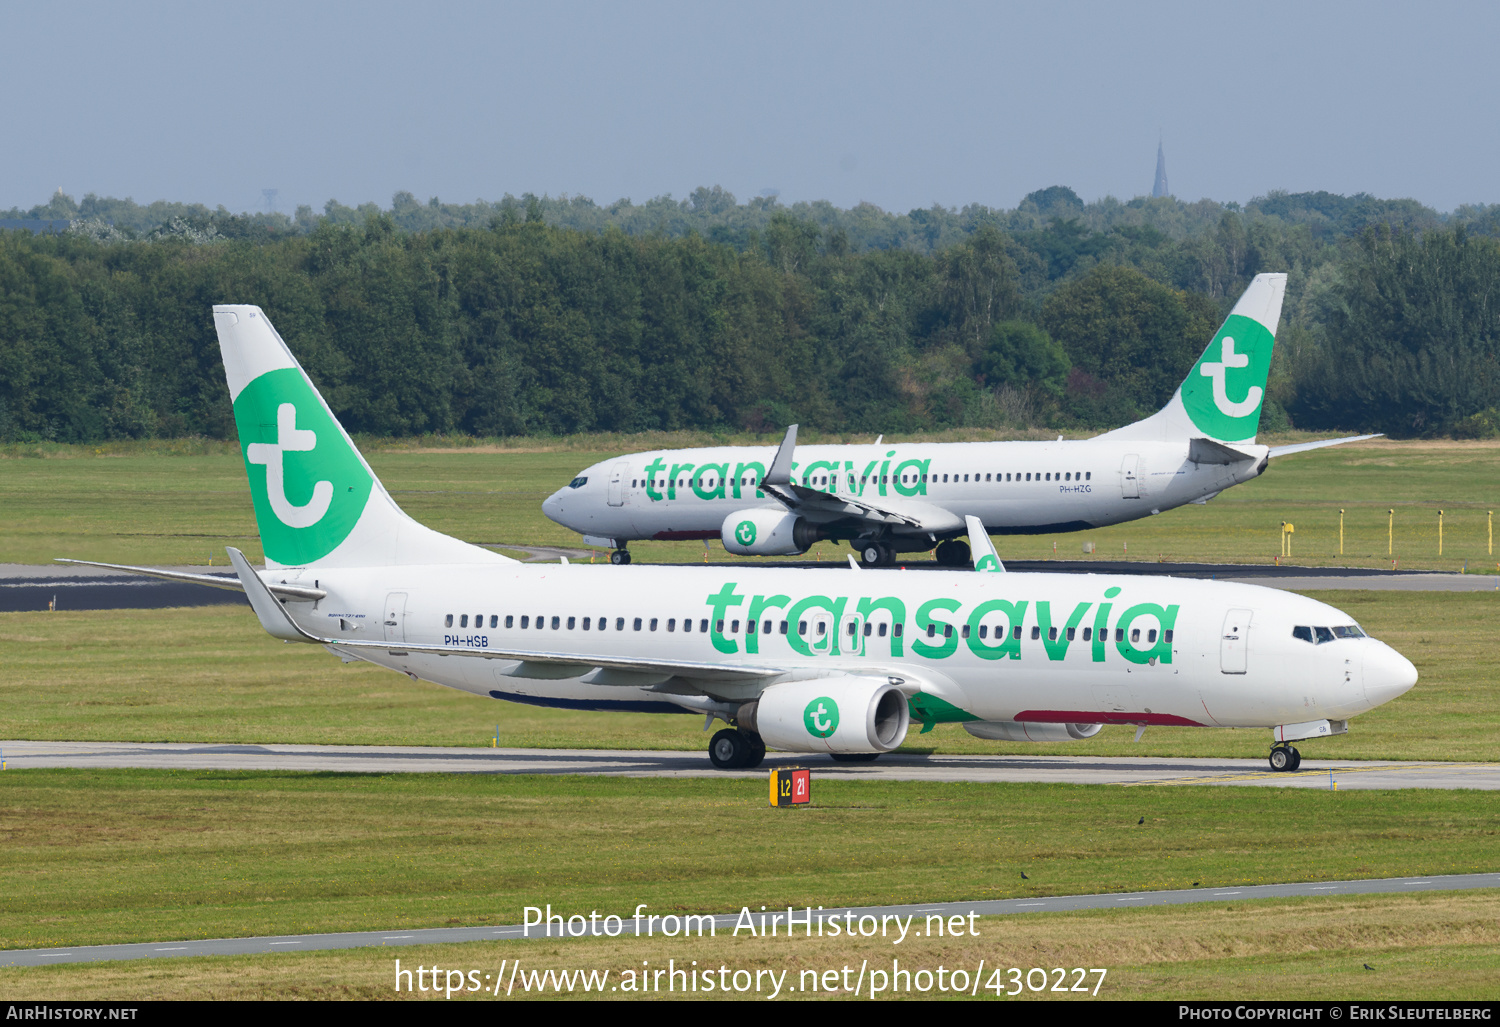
pixel 821 717
pixel 1223 394
pixel 308 485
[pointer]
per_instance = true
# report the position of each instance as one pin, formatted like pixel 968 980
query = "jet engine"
pixel 1027 731
pixel 767 532
pixel 839 714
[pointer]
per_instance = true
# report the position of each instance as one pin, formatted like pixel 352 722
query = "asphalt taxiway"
pixel 1343 775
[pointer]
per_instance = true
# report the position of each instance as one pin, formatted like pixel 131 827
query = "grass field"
pixel 211 674
pixel 183 502
pixel 112 856
pixel 1423 947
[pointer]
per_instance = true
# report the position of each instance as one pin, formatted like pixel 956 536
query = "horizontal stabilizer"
pixel 1207 451
pixel 211 580
pixel 1303 447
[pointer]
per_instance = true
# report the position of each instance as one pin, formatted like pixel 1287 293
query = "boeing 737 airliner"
pixel 910 497
pixel 836 661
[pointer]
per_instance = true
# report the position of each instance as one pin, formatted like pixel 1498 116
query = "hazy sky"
pixel 902 105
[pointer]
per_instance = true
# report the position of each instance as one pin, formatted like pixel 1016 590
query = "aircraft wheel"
pixel 888 555
pixel 953 553
pixel 731 750
pixel 1296 759
pixel 854 757
pixel 620 556
pixel 1281 758
pixel 757 752
pixel 872 554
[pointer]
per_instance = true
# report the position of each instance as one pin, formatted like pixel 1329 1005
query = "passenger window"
pixel 734 627
pixel 620 624
pixel 448 621
pixel 765 629
pixel 1036 632
pixel 525 622
pixel 783 627
pixel 894 631
pixel 869 628
pixel 494 620
pixel 947 630
pixel 653 623
pixel 463 621
pixel 1018 632
pixel 719 626
pixel 687 624
pixel 510 621
pixel 571 622
pixel 671 623
pixel 637 624
pixel 965 632
pixel 703 624
pixel 1151 635
pixel 932 631
pixel 1088 634
pixel 1088 475
pixel 882 630
pixel 1135 634
pixel 1119 634
pixel 802 627
pixel 1167 636
pixel 983 631
pixel 555 623
pixel 585 623
pixel 1070 633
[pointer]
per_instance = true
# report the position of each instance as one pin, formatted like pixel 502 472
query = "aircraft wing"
pixel 1303 447
pixel 824 507
pixel 981 549
pixel 211 580
pixel 279 625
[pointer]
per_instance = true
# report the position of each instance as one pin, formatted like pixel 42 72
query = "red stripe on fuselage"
pixel 1100 717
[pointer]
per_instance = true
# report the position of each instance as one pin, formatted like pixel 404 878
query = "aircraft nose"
pixel 552 506
pixel 1387 673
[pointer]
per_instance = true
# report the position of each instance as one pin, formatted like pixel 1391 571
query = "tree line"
pixel 1059 313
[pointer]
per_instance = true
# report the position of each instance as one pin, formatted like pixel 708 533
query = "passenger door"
pixel 394 619
pixel 1130 483
pixel 1234 642
pixel 617 483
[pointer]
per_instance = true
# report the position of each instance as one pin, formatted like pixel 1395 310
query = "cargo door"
pixel 617 483
pixel 1130 482
pixel 1234 642
pixel 394 618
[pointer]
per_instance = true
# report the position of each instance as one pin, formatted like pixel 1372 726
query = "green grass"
pixel 127 855
pixel 183 502
pixel 211 674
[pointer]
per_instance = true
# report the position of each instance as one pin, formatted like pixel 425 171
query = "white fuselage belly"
pixel 1012 487
pixel 1281 679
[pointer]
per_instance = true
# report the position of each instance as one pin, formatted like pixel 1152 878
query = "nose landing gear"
pixel 620 556
pixel 1284 758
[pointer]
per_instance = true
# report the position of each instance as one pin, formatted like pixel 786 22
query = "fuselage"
pixel 1012 487
pixel 1033 648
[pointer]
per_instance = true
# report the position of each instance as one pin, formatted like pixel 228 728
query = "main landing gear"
pixel 953 553
pixel 1285 758
pixel 733 749
pixel 620 556
pixel 876 554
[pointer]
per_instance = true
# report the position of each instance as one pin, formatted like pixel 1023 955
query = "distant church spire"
pixel 1159 188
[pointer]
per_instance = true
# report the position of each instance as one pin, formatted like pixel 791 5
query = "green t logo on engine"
pixel 821 717
pixel 745 533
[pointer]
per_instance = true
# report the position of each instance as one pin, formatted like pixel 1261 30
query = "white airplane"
pixel 910 497
pixel 837 661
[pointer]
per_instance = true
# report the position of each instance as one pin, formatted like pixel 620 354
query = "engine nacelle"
pixel 767 532
pixel 841 714
pixel 1029 731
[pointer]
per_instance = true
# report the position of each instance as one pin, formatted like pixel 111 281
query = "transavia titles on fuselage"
pixel 813 661
pixel 908 497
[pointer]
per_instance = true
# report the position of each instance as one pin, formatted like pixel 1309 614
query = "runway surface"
pixel 724 923
pixel 1115 770
pixel 27 587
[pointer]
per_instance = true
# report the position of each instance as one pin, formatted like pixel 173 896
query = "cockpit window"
pixel 1303 632
pixel 1323 635
pixel 578 483
pixel 1348 631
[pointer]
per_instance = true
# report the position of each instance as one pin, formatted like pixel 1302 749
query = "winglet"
pixel 781 466
pixel 272 617
pixel 981 548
